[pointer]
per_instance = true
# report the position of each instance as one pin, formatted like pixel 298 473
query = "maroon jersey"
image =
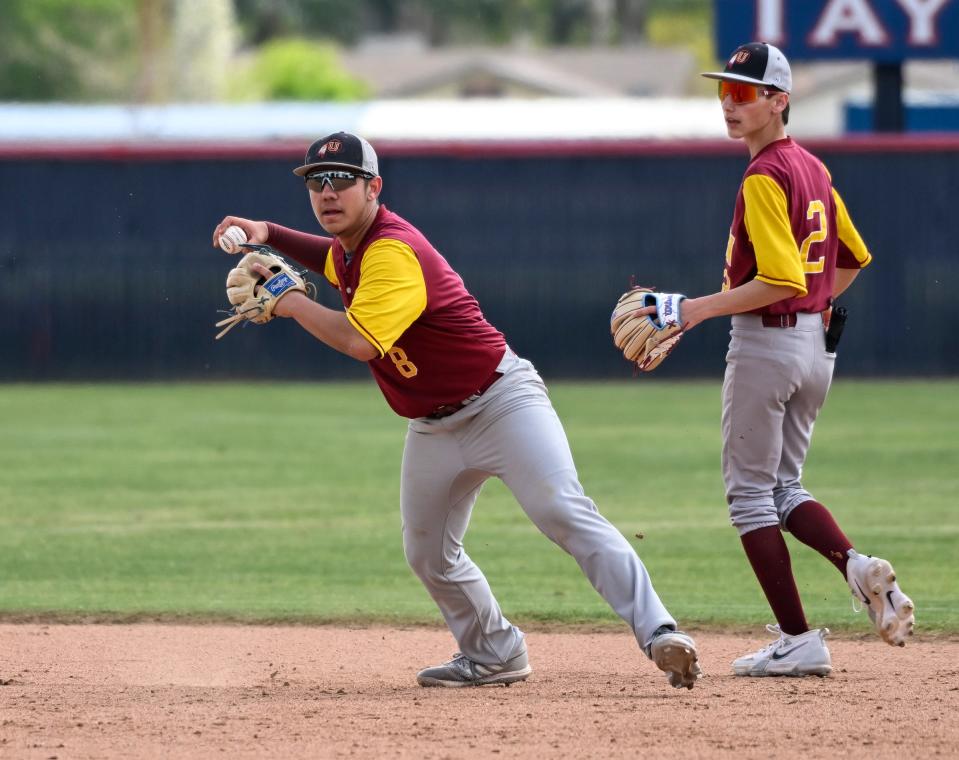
pixel 790 227
pixel 450 351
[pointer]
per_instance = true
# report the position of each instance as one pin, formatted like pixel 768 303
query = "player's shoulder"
pixel 390 225
pixel 776 156
pixel 783 160
pixel 388 246
pixel 802 154
pixel 393 236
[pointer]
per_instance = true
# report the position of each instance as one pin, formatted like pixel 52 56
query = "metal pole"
pixel 888 112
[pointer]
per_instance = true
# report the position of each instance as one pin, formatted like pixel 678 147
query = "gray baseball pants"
pixel 776 382
pixel 510 432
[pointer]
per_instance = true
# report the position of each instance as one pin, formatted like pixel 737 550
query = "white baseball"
pixel 231 239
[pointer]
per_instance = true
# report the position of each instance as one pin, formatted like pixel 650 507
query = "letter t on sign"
pixel 769 21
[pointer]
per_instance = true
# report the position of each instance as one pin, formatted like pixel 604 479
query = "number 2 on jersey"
pixel 816 208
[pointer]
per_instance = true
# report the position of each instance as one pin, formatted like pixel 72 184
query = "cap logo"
pixel 741 57
pixel 333 146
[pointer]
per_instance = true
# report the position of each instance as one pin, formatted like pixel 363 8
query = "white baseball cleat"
pixel 674 652
pixel 873 583
pixel 804 654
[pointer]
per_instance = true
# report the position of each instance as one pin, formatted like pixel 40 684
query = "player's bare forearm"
pixel 308 250
pixel 844 278
pixel 326 325
pixel 752 295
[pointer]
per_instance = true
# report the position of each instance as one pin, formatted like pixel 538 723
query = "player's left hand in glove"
pixel 254 296
pixel 646 337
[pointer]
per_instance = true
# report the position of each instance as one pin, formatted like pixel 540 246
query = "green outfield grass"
pixel 280 502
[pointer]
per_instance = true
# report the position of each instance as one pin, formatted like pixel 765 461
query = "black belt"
pixel 447 409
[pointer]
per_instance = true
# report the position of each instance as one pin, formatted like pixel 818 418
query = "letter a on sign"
pixel 848 16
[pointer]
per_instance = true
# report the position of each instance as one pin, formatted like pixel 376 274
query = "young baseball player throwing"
pixel 792 249
pixel 476 410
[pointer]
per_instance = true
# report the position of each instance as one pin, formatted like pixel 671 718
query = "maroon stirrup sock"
pixel 769 556
pixel 815 526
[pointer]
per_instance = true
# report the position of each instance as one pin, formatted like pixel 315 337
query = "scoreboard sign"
pixel 877 30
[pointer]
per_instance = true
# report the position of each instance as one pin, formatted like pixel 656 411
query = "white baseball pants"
pixel 776 382
pixel 510 432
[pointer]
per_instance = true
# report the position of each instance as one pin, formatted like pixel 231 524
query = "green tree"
pixel 157 50
pixel 263 20
pixel 202 46
pixel 296 69
pixel 70 50
pixel 688 24
pixel 444 22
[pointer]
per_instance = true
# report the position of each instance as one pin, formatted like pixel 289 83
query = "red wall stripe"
pixel 473 149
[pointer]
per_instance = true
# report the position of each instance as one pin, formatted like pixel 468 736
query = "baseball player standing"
pixel 476 410
pixel 792 250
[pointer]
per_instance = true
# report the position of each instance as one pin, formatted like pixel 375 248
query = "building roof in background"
pixel 403 69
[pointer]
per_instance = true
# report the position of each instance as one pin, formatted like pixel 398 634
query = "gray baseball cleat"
pixel 462 671
pixel 675 654
pixel 873 583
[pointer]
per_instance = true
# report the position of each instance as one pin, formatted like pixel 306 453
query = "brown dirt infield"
pixel 206 691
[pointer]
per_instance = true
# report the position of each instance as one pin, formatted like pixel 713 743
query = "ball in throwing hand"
pixel 231 239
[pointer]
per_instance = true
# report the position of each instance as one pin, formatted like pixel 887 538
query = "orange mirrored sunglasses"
pixel 741 92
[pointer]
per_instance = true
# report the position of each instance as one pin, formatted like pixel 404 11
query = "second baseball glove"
pixel 646 339
pixel 253 297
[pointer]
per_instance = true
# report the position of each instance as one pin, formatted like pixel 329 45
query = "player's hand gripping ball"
pixel 254 297
pixel 232 238
pixel 646 339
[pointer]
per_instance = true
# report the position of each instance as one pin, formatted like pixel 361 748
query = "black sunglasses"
pixel 337 180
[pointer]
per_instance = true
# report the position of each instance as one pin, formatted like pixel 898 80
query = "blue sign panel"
pixel 880 30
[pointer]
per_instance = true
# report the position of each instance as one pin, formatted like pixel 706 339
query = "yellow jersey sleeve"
pixel 328 271
pixel 849 235
pixel 766 216
pixel 391 293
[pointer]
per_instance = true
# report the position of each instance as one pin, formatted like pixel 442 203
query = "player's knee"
pixel 557 521
pixel 578 528
pixel 559 508
pixel 747 515
pixel 432 566
pixel 787 499
pixel 421 560
pixel 555 527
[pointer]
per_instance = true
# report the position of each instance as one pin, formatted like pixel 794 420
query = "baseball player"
pixel 792 250
pixel 475 410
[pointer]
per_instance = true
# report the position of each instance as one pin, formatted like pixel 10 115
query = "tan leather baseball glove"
pixel 646 339
pixel 253 297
